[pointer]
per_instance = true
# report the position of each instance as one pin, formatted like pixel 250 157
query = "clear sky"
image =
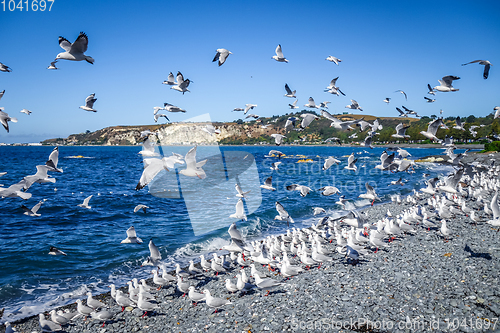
pixel 384 46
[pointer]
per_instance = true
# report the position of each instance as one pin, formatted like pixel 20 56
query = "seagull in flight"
pixel 334 59
pixel 182 85
pixel 52 65
pixel 33 211
pixel 131 237
pixel 400 131
pixel 158 115
pixel 431 91
pixel 401 91
pixel 221 55
pixel 172 108
pixel 1 93
pixel 354 106
pixel 333 89
pixel 238 109
pixel 432 129
pixel 486 65
pixel 193 168
pixel 497 112
pixel 76 50
pixel 293 105
pixel 5 118
pixel 429 100
pixel 289 92
pixel 445 83
pixel 5 68
pixel 28 112
pixel 387 100
pixel 249 107
pixel 85 203
pixel 170 80
pixel 278 138
pixel 279 55
pixel 89 103
pixel 311 104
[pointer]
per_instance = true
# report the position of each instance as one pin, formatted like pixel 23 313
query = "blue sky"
pixel 385 46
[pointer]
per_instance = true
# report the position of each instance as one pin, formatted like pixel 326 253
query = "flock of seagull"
pixel 457 194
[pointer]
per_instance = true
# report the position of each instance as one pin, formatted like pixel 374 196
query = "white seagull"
pixel 432 129
pixel 193 168
pixel 52 65
pixel 445 83
pixel 131 237
pixel 5 68
pixel 400 131
pixel 182 85
pixel 354 106
pixel 85 203
pixel 351 163
pixel 486 64
pixel 33 211
pixel 279 55
pixel 278 138
pixel 5 118
pixel 289 92
pixel 311 104
pixel 249 107
pixel 89 103
pixel 28 112
pixel 170 81
pixel 293 105
pixel 334 60
pixel 221 55
pixel 283 214
pixel 76 50
pixel 240 211
pixel 268 184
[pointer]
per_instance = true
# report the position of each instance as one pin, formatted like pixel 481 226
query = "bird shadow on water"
pixel 473 254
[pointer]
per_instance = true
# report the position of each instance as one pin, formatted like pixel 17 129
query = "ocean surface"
pixel 187 217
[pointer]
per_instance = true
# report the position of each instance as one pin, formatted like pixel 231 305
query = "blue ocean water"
pixel 185 218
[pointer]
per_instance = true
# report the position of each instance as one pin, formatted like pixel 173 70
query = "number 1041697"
pixel 26 5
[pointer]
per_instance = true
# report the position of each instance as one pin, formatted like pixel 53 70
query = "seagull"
pixel 33 211
pixel 268 184
pixel 318 210
pixel 289 92
pixel 351 163
pixel 93 303
pixel 283 214
pixel 445 83
pixel 429 100
pixel 401 91
pixel 497 112
pixel 486 64
pixel 431 91
pixel 396 182
pixel 215 302
pixel 307 119
pixel 279 55
pixel 172 108
pixel 459 125
pixel 170 80
pixel 311 104
pixel 182 84
pixel 193 168
pixel 52 65
pixel 139 207
pixel 240 194
pixel 278 138
pixel 324 104
pixel 89 103
pixel 400 131
pixel 329 162
pixel 290 122
pixel 432 129
pixel 251 115
pixel 195 296
pixel 368 141
pixel 238 109
pixel 221 55
pixel 303 190
pixel 159 115
pixel 240 211
pixel 387 100
pixel 401 113
pixel 210 129
pixel 370 193
pixel 85 203
pixel 329 190
pixel 15 191
pixel 131 237
pixel 5 118
pixel 76 50
pixel 53 251
pixel 2 93
pixel 148 149
pixel 354 106
pixel 334 59
pixel 154 255
pixel 275 165
pixel 48 325
pixel 333 89
pixel 5 68
pixel 249 107
pixel 266 283
pixel 28 112
pixel 293 105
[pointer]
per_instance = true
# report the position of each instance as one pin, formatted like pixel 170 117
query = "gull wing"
pixel 217 55
pixel 80 44
pixel 154 251
pixel 26 209
pixel 180 78
pixel 328 116
pixel 351 160
pixel 233 231
pixel 240 209
pixel 279 52
pixel 191 158
pixel 53 158
pixel 486 71
pixel 171 78
pixel 64 43
pixel 36 207
pixel 354 104
pixel 448 80
pixel 434 126
pixel 429 87
pixel 90 100
pixel 288 90
pixel 86 200
pixel 131 232
pixel 155 165
pixel 269 181
pixel 281 210
pixel 223 56
pixel 369 188
pixel 458 121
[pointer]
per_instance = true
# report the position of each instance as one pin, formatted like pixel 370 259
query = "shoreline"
pixel 419 276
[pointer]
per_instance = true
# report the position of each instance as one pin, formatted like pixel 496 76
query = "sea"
pixel 187 216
